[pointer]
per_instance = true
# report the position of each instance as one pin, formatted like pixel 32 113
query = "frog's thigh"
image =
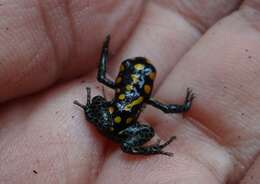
pixel 136 135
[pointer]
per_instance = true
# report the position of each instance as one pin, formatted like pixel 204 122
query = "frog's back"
pixel 137 75
pixel 134 85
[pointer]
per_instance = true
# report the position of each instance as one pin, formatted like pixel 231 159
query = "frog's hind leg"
pixel 136 135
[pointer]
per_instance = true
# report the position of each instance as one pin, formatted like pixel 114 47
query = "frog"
pixel 117 119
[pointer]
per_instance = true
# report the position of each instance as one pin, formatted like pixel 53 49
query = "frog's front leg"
pixel 174 108
pixel 101 75
pixel 133 138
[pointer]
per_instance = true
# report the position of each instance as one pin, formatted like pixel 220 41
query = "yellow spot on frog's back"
pixel 147 88
pixel 140 100
pixel 117 119
pixel 122 68
pixel 134 78
pixel 111 110
pixel 129 120
pixel 129 87
pixel 152 75
pixel 133 103
pixel 139 66
pixel 118 80
pixel 121 97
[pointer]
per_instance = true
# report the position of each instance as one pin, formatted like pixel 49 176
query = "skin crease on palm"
pixel 49 53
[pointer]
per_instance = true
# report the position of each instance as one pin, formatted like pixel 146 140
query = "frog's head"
pixel 97 112
pixel 100 111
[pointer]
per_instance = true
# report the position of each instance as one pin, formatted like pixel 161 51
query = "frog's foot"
pixel 79 104
pixel 189 98
pixel 156 148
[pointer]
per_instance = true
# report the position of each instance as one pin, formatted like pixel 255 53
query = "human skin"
pixel 49 52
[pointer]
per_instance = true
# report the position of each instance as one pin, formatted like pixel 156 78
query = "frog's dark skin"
pixel 117 119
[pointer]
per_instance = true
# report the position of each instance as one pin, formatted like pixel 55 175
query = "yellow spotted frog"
pixel 118 119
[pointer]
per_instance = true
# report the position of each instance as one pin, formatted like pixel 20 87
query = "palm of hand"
pixel 45 139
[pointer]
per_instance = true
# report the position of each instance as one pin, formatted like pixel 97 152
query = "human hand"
pixel 46 45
